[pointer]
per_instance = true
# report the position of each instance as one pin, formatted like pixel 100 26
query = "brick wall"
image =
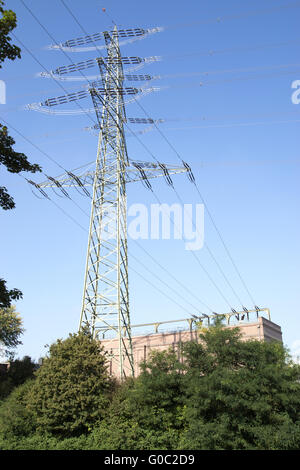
pixel 262 329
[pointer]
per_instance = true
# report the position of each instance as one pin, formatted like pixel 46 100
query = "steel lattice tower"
pixel 105 304
pixel 105 297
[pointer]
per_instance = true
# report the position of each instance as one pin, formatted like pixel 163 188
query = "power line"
pixel 203 83
pixel 41 151
pixel 41 65
pixel 211 52
pixel 225 71
pixel 240 124
pixel 82 210
pixel 191 74
pixel 184 85
pixel 217 19
pixel 132 256
pixel 43 27
pixel 163 282
pixel 54 161
pixel 68 9
pixel 157 288
pixel 209 213
pixel 173 277
pixel 225 246
pixel 247 14
pixel 215 260
pixel 59 208
pixel 53 39
pixel 203 118
pixel 234 79
pixel 33 144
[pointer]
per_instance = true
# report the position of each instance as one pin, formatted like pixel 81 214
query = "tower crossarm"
pixel 92 38
pixel 151 170
pixel 83 177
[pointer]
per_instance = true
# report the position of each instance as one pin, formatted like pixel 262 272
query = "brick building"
pixel 262 329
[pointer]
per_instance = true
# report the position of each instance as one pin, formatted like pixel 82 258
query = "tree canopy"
pixel 18 372
pixel 15 162
pixel 146 412
pixel 11 328
pixel 71 389
pixel 12 160
pixel 227 394
pixel 7 295
pixel 217 393
pixel 240 394
pixel 8 22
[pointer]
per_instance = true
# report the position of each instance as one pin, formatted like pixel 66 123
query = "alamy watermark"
pixel 296 94
pixel 164 222
pixel 2 92
pixel 158 222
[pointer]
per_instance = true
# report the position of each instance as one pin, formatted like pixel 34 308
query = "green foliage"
pixel 14 161
pixel 46 442
pixel 11 328
pixel 71 391
pixel 6 296
pixel 146 412
pixel 18 372
pixel 239 393
pixel 226 394
pixel 8 22
pixel 16 419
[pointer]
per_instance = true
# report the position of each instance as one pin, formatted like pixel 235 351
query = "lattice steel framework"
pixel 105 298
pixel 105 303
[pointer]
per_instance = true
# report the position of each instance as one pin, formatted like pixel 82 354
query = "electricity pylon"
pixel 106 295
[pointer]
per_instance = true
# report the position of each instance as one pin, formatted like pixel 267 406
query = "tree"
pixel 6 296
pixel 18 372
pixel 240 394
pixel 72 388
pixel 8 22
pixel 14 161
pixel 11 328
pixel 146 412
pixel 227 394
pixel 16 420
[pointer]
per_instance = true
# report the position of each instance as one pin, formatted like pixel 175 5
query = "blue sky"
pixel 227 69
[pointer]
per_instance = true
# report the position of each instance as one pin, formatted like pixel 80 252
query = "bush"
pixel 16 420
pixel 18 372
pixel 72 388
